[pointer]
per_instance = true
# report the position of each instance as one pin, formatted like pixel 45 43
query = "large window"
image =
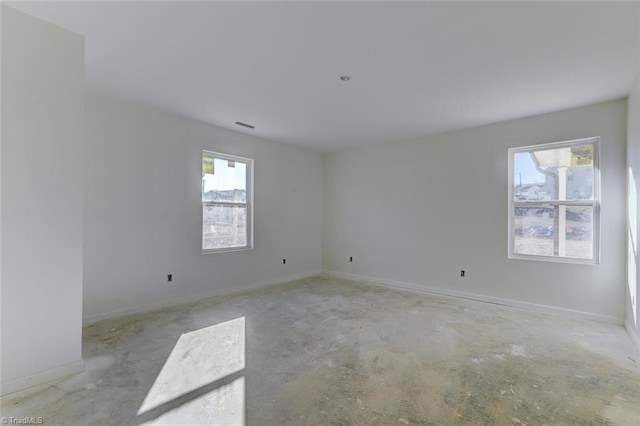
pixel 227 200
pixel 554 196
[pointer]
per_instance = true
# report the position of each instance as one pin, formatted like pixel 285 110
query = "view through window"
pixel 554 201
pixel 226 202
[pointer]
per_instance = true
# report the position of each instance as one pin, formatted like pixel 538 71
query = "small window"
pixel 227 202
pixel 554 196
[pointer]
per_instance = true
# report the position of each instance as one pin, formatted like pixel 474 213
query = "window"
pixel 227 202
pixel 554 201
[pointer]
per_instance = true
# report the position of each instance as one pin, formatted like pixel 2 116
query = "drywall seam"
pixel 41 377
pixel 569 313
pixel 92 319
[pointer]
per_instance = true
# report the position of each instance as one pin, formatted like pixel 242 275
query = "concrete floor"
pixel 333 352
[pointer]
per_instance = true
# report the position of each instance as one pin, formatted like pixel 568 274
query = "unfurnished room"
pixel 320 213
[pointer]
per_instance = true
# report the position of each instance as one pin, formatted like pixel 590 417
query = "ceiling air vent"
pixel 248 126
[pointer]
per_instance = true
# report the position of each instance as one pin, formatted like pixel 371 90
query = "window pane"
pixel 224 180
pixel 579 235
pixel 224 227
pixel 528 182
pixel 565 173
pixel 536 231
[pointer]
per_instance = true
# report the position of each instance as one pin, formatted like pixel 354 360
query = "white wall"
pixel 632 321
pixel 143 211
pixel 633 169
pixel 42 175
pixel 414 213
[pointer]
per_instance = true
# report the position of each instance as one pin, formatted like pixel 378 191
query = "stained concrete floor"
pixel 324 351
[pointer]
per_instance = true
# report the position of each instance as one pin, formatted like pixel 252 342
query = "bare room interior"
pixel 319 213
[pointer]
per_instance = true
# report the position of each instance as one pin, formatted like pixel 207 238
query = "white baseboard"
pixel 41 377
pixel 632 333
pixel 148 307
pixel 568 313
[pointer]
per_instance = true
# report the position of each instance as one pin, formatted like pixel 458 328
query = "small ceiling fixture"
pixel 345 77
pixel 248 126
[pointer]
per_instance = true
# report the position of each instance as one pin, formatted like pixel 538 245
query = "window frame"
pixel 594 203
pixel 249 162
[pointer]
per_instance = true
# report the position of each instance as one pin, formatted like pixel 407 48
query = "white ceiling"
pixel 417 68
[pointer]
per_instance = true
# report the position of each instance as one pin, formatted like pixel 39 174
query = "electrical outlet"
pixel 462 273
pixel 169 278
pixel 350 259
pixel 284 261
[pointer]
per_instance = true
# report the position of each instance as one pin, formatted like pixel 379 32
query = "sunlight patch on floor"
pixel 195 380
